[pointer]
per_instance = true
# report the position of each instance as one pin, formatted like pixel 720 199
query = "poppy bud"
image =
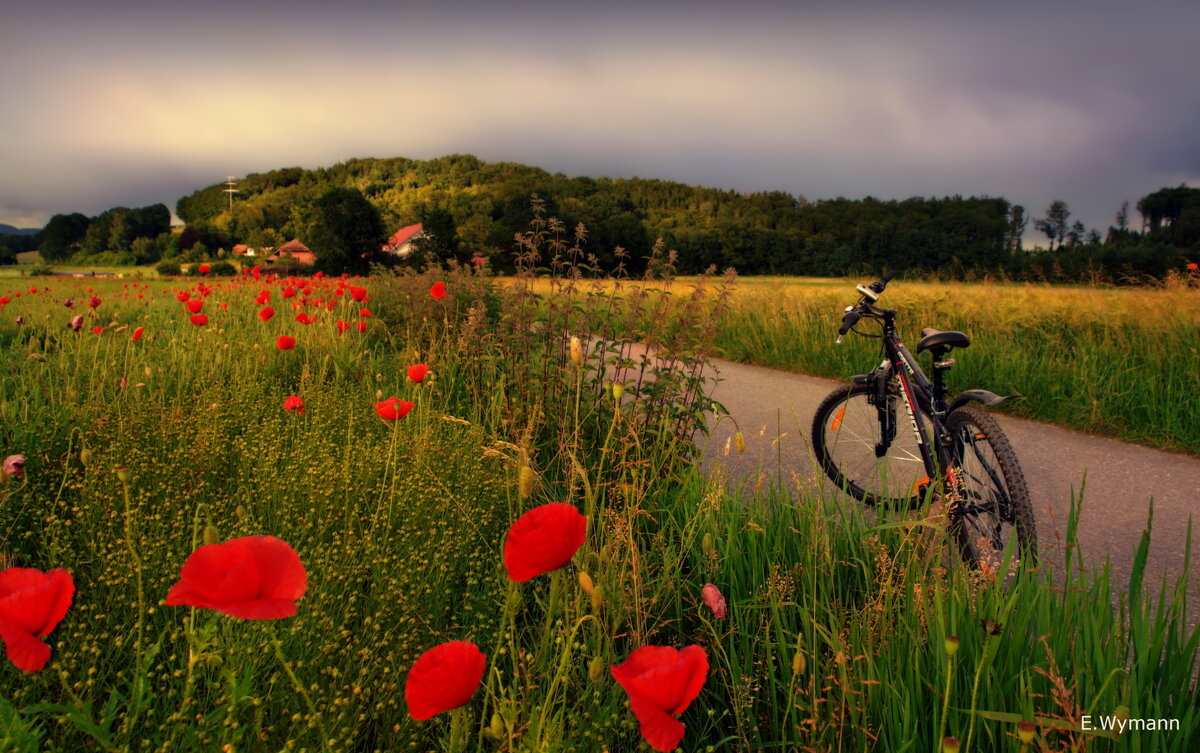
pixel 585 582
pixel 85 457
pixel 618 390
pixel 14 465
pixel 950 745
pixel 951 645
pixel 525 480
pixel 576 351
pixel 148 372
pixel 597 598
pixel 596 669
pixel 240 512
pixel 713 599
pixel 1120 716
pixel 1026 731
pixel 123 475
pixel 496 727
pixel 739 441
pixel 378 394
pixel 799 663
pixel 706 545
pixel 211 535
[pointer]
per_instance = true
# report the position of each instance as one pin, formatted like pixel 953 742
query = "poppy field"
pixel 433 512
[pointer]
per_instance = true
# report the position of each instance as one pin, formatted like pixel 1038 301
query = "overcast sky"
pixel 136 102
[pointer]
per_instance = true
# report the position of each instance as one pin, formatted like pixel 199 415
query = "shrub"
pixel 222 269
pixel 168 269
pixel 38 270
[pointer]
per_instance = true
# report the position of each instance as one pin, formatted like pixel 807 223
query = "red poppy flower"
pixel 94 302
pixel 438 290
pixel 543 539
pixel 198 319
pixel 32 603
pixel 196 305
pixel 443 678
pixel 365 313
pixel 284 342
pixel 358 294
pixel 97 330
pixel 202 269
pixel 393 408
pixel 362 326
pixel 417 373
pixel 137 333
pixel 182 296
pixel 304 318
pixel 265 313
pixel 1193 265
pixel 342 326
pixel 294 402
pixel 289 292
pixel 254 577
pixel 661 682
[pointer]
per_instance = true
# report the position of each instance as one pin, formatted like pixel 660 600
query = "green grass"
pixel 834 638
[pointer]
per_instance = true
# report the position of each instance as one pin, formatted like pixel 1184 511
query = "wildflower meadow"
pixel 435 511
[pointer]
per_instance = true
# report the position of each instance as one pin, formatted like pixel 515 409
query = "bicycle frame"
pixel 917 391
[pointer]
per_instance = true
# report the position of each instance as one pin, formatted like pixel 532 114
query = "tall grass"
pixel 835 634
pixel 1121 362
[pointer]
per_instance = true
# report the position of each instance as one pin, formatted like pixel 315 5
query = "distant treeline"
pixel 470 206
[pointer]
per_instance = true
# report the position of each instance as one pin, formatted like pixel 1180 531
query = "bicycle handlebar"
pixel 870 294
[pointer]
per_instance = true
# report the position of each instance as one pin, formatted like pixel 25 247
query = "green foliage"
pixel 346 231
pixel 62 235
pixel 222 269
pixel 438 242
pixel 168 268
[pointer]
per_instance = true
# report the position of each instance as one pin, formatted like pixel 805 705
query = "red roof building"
pixel 299 253
pixel 401 242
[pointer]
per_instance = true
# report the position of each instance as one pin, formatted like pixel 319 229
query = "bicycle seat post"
pixel 941 365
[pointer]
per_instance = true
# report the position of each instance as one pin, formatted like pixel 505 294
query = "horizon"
pixel 826 101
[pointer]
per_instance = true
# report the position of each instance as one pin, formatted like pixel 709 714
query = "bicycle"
pixel 891 438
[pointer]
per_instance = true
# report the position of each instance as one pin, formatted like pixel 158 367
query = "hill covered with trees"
pixel 469 206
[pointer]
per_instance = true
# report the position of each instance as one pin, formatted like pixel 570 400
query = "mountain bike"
pixel 891 438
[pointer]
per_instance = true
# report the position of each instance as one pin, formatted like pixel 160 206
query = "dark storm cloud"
pixel 1088 102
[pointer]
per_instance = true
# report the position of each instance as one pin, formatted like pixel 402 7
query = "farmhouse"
pixel 297 251
pixel 401 242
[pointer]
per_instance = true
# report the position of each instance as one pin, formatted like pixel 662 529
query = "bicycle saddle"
pixel 932 338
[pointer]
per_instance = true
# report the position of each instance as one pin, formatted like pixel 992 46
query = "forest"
pixel 469 206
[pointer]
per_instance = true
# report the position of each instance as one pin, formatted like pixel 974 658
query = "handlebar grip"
pixel 878 286
pixel 849 320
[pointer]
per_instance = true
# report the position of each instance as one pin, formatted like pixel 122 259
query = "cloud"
pixel 1032 102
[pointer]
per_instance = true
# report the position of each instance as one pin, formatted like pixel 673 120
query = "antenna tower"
pixel 229 189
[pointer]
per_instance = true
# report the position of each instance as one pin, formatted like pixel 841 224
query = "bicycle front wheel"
pixel 868 447
pixel 996 506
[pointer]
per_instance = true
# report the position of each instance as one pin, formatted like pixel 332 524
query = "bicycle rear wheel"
pixel 850 436
pixel 996 505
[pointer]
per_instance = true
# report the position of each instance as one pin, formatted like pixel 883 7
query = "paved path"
pixel 775 408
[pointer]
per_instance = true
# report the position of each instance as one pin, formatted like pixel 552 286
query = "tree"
pixel 1076 233
pixel 439 236
pixel 1054 225
pixel 62 235
pixel 1123 216
pixel 1017 222
pixel 346 231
